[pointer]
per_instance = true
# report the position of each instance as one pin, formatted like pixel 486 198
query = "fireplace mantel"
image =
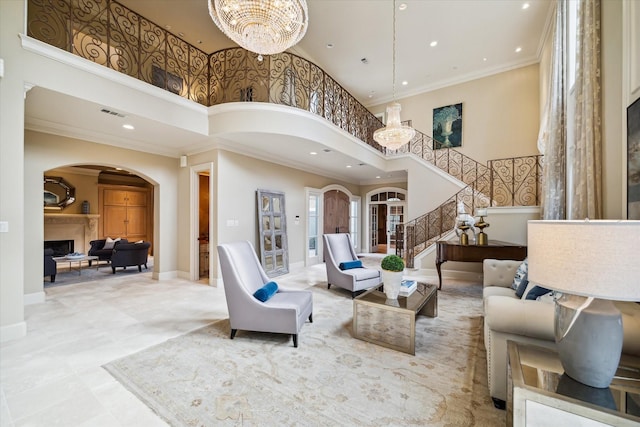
pixel 81 228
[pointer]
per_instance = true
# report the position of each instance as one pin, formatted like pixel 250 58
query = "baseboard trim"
pixel 34 298
pixel 12 332
pixel 166 275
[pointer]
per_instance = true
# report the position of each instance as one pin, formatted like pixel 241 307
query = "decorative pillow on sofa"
pixel 348 265
pixel 109 243
pixel 523 285
pixel 520 274
pixel 267 291
pixel 534 292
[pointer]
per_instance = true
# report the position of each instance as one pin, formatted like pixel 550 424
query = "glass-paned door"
pixel 272 223
pixel 395 216
pixel 373 219
pixel 313 232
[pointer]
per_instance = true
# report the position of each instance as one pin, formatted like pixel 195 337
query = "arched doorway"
pixel 386 210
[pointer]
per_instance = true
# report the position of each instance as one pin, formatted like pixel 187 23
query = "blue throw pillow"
pixel 523 285
pixel 267 291
pixel 520 273
pixel 536 292
pixel 348 265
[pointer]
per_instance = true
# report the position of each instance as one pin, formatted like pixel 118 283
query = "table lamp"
pixel 592 262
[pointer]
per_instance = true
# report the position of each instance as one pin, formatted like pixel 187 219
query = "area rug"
pixel 332 379
pixel 71 276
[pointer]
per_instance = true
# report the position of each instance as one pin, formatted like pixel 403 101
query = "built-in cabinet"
pixel 126 212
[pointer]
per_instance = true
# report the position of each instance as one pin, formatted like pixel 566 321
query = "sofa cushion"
pixel 521 272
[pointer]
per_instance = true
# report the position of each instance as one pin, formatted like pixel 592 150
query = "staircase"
pixel 503 182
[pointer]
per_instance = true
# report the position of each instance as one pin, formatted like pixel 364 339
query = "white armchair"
pixel 338 249
pixel 242 275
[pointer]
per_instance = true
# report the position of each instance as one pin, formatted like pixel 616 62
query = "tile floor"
pixel 53 376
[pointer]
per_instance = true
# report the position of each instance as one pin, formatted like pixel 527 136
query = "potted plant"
pixel 392 268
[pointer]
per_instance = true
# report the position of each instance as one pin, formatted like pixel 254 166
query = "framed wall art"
pixel 447 126
pixel 633 160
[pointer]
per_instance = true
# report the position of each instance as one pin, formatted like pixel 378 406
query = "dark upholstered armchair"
pixel 130 254
pixel 50 266
pixel 338 249
pixel 284 312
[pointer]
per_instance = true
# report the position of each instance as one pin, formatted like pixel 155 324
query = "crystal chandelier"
pixel 395 134
pixel 265 27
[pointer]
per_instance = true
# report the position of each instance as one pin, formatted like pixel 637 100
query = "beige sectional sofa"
pixel 507 317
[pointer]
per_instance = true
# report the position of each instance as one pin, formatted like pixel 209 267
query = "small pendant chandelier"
pixel 265 27
pixel 395 134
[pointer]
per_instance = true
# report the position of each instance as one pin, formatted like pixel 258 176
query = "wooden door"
pixel 336 212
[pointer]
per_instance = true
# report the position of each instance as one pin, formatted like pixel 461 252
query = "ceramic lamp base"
pixel 589 338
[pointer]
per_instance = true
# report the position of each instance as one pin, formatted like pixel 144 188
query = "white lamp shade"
pixel 590 258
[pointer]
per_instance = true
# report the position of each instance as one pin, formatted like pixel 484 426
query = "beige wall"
pixel 613 141
pixel 236 180
pixel 500 113
pixel 86 186
pixel 44 152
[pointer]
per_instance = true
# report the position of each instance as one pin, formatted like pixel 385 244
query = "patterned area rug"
pixel 204 379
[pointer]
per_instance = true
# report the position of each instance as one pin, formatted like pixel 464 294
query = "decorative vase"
pixel 85 207
pixel 391 281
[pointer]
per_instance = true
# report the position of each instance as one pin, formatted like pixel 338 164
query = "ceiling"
pixel 475 38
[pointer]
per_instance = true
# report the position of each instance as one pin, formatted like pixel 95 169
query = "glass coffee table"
pixel 79 260
pixel 392 323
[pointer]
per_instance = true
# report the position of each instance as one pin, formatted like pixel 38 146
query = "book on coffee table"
pixel 407 287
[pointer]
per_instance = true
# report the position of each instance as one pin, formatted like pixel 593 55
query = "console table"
pixel 452 250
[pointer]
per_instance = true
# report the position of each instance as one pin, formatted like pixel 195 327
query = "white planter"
pixel 391 281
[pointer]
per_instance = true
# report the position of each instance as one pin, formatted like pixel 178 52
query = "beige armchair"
pixel 338 249
pixel 242 275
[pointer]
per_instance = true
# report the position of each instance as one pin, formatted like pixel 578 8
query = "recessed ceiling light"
pixel 313 153
pixel 403 6
pixel 518 49
pixel 404 83
pixel 378 177
pixel 128 127
pixel 348 166
pixel 484 59
pixel 525 6
pixel 329 45
pixel 433 43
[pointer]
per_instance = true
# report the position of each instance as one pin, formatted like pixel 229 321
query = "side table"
pixel 540 394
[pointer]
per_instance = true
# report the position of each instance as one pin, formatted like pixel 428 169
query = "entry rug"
pixel 204 378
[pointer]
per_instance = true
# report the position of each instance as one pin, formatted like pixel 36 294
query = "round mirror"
pixel 58 193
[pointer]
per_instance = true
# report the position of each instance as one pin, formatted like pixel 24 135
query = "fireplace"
pixel 60 247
